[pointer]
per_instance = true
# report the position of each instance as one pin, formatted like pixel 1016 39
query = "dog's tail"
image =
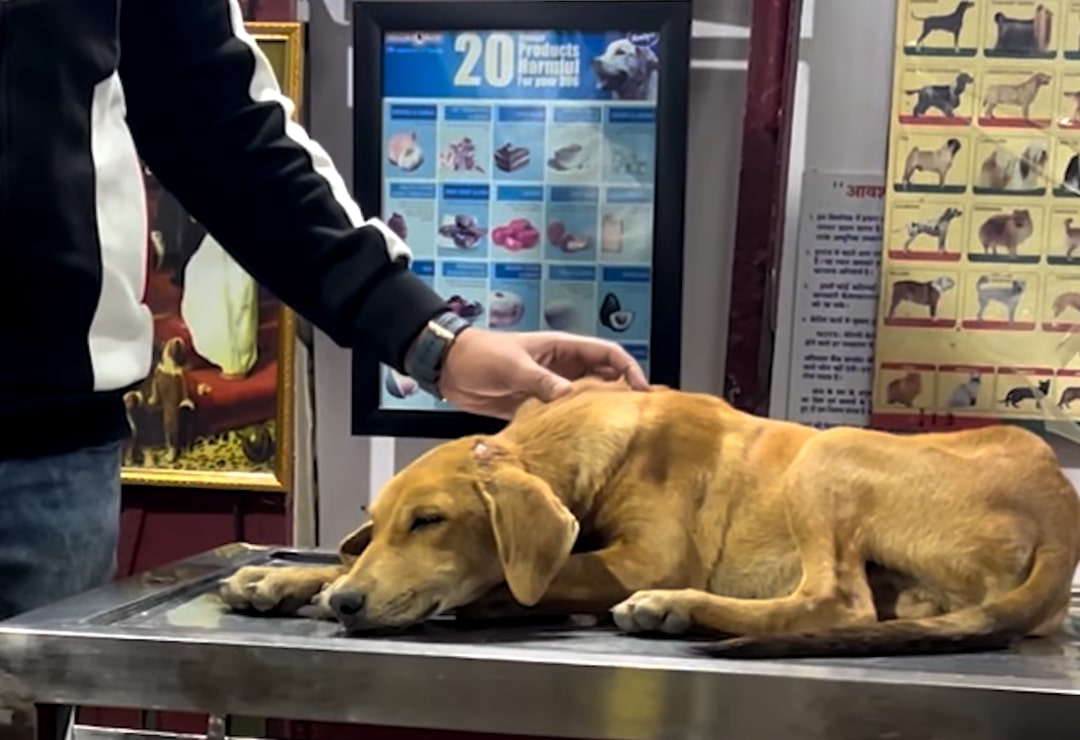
pixel 993 626
pixel 916 91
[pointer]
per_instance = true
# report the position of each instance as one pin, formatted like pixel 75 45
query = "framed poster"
pixel 979 313
pixel 532 154
pixel 216 411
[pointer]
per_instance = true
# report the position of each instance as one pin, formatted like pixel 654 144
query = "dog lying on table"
pixel 798 542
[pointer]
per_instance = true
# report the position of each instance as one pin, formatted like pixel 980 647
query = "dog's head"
pixel 964 79
pixel 943 283
pixel 460 520
pixel 1022 218
pixel 174 351
pixel 1041 78
pixel 624 65
pixel 133 400
pixel 952 212
pixel 965 5
pixel 953 145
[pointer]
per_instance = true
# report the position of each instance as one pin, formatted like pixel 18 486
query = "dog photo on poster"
pixel 216 408
pixel 979 315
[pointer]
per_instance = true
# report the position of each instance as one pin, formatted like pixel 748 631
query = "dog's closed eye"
pixel 424 521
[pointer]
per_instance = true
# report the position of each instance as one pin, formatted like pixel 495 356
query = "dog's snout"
pixel 347 604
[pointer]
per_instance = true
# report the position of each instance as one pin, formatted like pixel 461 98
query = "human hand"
pixel 493 373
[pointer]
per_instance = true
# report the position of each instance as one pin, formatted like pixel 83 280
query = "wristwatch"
pixel 425 358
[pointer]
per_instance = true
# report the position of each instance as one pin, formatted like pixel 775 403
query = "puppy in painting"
pixel 169 391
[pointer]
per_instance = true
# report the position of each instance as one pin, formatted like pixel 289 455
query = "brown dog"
pixel 938 161
pixel 1066 301
pixel 690 514
pixel 1069 395
pixel 904 390
pixel 1021 95
pixel 1008 230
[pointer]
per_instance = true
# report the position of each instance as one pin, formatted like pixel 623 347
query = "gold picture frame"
pixel 256 451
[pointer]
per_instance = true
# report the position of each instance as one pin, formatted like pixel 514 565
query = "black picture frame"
pixel 671 19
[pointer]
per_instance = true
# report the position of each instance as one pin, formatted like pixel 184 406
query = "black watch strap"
pixel 425 360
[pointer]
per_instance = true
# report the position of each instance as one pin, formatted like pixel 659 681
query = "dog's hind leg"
pixel 833 590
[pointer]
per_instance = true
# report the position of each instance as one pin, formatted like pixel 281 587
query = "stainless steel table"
pixel 163 641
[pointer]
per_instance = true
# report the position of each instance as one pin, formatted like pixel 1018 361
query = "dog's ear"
pixel 649 61
pixel 355 542
pixel 534 532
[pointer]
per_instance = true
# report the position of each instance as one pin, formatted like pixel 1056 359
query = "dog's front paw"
pixel 268 589
pixel 666 611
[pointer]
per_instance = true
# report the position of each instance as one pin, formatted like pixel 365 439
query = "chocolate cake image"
pixel 510 158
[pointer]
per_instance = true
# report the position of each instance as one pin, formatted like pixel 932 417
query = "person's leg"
pixel 59 525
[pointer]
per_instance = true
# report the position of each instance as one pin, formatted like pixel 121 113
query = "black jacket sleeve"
pixel 209 120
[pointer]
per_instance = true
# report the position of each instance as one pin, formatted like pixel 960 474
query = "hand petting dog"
pixel 494 373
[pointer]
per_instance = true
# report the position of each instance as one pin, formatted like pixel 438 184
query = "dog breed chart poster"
pixel 979 312
pixel 520 169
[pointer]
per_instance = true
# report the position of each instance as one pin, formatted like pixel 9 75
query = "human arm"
pixel 209 120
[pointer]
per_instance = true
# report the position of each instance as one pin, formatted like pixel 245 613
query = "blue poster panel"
pixel 520 168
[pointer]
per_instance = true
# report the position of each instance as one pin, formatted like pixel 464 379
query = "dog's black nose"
pixel 347 603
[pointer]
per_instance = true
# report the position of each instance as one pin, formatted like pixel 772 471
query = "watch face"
pixel 430 348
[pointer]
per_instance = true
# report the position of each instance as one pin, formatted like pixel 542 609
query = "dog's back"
pixel 652 432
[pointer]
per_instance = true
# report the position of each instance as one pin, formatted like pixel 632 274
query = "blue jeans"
pixel 59 526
